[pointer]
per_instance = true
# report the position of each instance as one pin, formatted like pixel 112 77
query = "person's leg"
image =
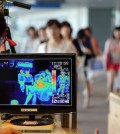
pixel 34 100
pixel 87 90
pixel 87 94
pixel 117 82
pixel 29 97
pixel 111 74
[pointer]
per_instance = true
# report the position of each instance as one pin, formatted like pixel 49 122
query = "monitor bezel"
pixel 40 109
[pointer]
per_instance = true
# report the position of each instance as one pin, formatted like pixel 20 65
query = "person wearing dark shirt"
pixel 77 46
pixel 85 48
pixel 94 43
pixel 87 44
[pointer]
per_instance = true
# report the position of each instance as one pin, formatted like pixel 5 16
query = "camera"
pixel 5 12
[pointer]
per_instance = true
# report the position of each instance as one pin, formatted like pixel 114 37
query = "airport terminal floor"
pixel 97 115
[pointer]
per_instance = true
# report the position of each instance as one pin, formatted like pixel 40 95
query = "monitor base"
pixel 26 122
pixel 31 121
pixel 26 126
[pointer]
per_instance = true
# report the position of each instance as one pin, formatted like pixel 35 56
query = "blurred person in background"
pixel 55 43
pixel 42 35
pixel 29 46
pixel 112 58
pixel 93 40
pixel 66 32
pixel 86 49
pixel 42 38
pixel 77 44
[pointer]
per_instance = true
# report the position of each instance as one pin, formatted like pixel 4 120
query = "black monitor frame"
pixel 34 109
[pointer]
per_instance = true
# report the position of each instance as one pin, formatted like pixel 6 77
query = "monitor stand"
pixel 32 121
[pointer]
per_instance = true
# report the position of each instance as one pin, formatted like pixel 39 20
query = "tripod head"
pixel 5 12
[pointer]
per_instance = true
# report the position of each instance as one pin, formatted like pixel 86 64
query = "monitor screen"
pixel 36 80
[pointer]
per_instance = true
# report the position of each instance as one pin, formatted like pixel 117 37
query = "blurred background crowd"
pixel 56 37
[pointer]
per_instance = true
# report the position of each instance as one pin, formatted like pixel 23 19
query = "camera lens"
pixel 6 12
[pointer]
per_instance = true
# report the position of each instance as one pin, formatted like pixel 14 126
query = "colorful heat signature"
pixel 42 86
pixel 35 84
pixel 53 80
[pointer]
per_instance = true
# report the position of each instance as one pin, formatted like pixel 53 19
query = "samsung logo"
pixel 29 110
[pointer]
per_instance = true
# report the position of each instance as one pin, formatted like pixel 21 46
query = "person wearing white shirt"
pixel 29 46
pixel 112 59
pixel 55 43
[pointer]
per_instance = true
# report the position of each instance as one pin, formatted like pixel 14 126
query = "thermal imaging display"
pixel 35 82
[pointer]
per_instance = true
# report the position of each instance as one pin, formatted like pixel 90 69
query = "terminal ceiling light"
pixel 31 1
pixel 50 1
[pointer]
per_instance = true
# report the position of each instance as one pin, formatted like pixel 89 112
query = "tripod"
pixel 10 37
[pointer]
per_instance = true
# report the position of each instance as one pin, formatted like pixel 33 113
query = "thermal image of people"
pixel 40 90
pixel 43 86
pixel 40 80
pixel 31 82
pixel 21 80
pixel 63 81
pixel 67 84
pixel 48 76
pixel 67 87
pixel 28 81
pixel 43 89
pixel 39 86
pixel 14 102
pixel 31 96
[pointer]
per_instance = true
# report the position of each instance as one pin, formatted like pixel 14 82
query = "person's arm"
pixel 106 47
pixel 86 50
pixel 105 53
pixel 95 46
pixel 9 131
pixel 72 49
pixel 19 78
pixel 32 79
